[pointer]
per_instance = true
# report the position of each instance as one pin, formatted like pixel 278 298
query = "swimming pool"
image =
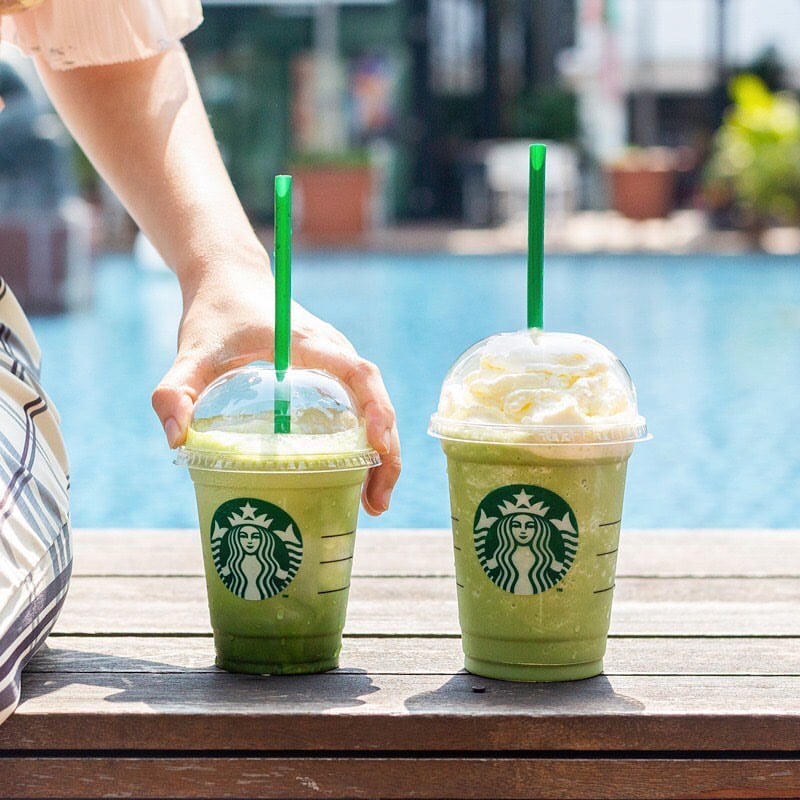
pixel 713 344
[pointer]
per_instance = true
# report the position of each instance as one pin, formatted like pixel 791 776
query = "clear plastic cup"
pixel 536 498
pixel 277 515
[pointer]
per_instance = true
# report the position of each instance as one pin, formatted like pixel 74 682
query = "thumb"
pixel 174 399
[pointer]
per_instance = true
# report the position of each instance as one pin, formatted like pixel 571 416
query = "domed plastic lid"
pixel 235 419
pixel 538 387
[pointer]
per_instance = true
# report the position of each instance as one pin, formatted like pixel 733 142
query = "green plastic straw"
pixel 283 301
pixel 536 237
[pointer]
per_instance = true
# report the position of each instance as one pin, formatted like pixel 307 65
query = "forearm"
pixel 144 127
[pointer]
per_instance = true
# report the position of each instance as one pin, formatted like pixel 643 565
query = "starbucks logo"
pixel 256 547
pixel 526 538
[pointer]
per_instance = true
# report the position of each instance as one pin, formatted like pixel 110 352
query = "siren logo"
pixel 256 547
pixel 526 538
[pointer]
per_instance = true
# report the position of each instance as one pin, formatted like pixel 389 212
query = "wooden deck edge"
pixel 431 733
pixel 380 777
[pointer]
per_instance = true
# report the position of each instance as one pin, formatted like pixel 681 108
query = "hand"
pixel 228 322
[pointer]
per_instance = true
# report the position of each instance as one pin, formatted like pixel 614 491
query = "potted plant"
pixel 753 176
pixel 334 196
pixel 643 181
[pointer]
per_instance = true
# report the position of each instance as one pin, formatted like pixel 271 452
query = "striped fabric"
pixel 35 551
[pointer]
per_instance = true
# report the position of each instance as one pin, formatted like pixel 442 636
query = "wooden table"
pixel 701 696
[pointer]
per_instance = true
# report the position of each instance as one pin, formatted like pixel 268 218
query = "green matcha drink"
pixel 277 517
pixel 537 429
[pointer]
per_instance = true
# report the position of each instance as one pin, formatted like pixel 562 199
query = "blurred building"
pixel 414 83
pixel 289 83
pixel 677 56
pixel 660 67
pixel 439 95
pixel 44 226
pixel 430 88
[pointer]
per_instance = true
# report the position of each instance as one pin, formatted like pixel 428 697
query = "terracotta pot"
pixel 334 204
pixel 642 192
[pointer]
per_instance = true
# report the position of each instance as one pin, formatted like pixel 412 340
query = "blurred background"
pixel 673 225
pixel 420 110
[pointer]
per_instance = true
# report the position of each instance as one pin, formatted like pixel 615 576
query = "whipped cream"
pixel 565 386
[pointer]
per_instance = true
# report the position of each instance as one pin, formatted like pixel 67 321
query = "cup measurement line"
pixel 609 524
pixel 337 560
pixel 609 552
pixel 455 519
pixel 337 535
pixel 333 591
pixel 607 589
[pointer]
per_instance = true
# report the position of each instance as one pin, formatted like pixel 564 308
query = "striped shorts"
pixel 35 549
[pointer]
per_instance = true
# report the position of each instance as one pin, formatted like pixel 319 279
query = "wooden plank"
pixel 709 552
pixel 198 711
pixel 428 552
pixel 391 712
pixel 517 778
pixel 420 656
pixel 427 606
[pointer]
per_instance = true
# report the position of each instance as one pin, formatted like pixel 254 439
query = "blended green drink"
pixel 537 429
pixel 277 516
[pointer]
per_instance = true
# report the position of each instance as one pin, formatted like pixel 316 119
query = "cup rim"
pixel 452 430
pixel 306 463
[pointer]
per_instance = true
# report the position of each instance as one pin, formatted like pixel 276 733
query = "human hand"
pixel 228 322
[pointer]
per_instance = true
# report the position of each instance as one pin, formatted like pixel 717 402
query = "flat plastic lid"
pixel 538 387
pixel 234 424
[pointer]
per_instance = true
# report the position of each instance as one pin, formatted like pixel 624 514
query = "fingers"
pixel 174 398
pixel 377 491
pixel 364 378
pixel 366 383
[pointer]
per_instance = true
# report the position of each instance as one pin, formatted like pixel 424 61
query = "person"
pixel 117 74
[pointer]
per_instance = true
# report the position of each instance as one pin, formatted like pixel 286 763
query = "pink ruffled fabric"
pixel 82 33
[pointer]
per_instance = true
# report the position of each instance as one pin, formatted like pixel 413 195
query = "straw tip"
pixel 283 185
pixel 538 152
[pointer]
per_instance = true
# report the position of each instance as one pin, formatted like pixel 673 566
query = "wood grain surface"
pixel 429 552
pixel 146 711
pixel 422 656
pixel 347 777
pixel 700 696
pixel 428 606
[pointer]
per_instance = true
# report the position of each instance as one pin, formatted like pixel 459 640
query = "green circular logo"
pixel 256 546
pixel 526 538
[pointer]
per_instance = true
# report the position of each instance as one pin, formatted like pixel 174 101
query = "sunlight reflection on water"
pixel 713 344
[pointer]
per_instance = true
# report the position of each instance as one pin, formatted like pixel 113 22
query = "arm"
pixel 144 127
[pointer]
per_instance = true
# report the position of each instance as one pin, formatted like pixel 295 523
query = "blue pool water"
pixel 713 344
